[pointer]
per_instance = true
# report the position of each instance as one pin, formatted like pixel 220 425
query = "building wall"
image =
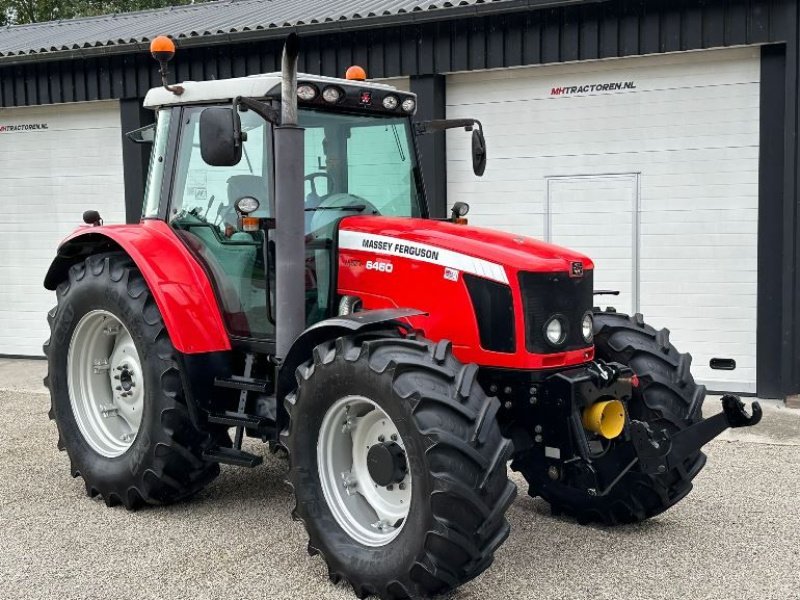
pixel 71 162
pixel 655 175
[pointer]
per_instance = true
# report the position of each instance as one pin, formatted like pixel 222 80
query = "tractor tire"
pixel 105 312
pixel 667 398
pixel 456 462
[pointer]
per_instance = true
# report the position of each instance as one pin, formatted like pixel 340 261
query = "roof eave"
pixel 441 14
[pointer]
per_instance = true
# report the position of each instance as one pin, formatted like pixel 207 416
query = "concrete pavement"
pixel 736 536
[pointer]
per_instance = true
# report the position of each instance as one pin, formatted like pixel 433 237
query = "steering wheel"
pixel 313 199
pixel 334 207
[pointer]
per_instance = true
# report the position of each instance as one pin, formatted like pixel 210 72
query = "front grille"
pixel 548 294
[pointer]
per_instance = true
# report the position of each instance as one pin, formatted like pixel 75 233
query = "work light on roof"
pixel 332 94
pixel 409 104
pixel 390 102
pixel 306 92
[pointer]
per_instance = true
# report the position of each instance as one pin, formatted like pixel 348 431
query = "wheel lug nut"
pixel 394 437
pixel 390 487
pixel 381 439
pixel 402 486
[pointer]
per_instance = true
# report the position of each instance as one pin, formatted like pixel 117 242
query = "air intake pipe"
pixel 289 209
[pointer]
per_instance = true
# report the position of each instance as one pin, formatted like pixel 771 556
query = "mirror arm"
pixel 260 108
pixel 424 127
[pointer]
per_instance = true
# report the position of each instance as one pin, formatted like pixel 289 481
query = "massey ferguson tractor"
pixel 287 283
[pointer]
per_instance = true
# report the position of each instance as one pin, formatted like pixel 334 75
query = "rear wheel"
pixel 398 465
pixel 667 398
pixel 116 391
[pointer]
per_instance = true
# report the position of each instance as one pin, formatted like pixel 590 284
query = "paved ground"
pixel 736 536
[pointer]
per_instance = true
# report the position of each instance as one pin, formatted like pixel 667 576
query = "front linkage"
pixel 578 429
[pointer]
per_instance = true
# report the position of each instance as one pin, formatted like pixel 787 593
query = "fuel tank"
pixel 484 290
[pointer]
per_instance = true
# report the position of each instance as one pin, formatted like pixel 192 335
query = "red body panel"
pixel 178 283
pixel 420 281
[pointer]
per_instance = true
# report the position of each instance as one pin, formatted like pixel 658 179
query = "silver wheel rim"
pixel 105 383
pixel 372 515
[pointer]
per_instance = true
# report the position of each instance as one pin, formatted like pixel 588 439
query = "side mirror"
pixel 459 211
pixel 478 152
pixel 220 136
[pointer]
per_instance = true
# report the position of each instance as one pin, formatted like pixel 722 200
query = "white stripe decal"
pixel 382 244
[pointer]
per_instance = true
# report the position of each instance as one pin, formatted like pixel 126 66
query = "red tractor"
pixel 286 283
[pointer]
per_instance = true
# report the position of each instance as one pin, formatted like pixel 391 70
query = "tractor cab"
pixel 359 159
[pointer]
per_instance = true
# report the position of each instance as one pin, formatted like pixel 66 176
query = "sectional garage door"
pixel 55 162
pixel 648 164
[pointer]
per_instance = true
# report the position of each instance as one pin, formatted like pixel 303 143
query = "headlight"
pixel 390 102
pixel 587 325
pixel 409 104
pixel 555 331
pixel 306 92
pixel 332 94
pixel 247 205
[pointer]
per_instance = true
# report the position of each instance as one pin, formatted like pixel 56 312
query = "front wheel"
pixel 667 398
pixel 398 465
pixel 116 392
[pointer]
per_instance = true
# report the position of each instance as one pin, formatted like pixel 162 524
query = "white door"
pixel 581 211
pixel 55 162
pixel 688 123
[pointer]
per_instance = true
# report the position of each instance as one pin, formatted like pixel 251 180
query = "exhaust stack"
pixel 289 209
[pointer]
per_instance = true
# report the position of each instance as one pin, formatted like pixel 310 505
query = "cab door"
pixel 204 213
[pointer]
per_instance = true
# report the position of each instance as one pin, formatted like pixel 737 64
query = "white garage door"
pixel 564 142
pixel 55 162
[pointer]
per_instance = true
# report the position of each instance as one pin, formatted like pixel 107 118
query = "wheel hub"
pixel 363 470
pixel 126 379
pixel 104 377
pixel 386 463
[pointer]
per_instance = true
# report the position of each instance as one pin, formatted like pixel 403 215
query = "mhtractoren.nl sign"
pixel 23 127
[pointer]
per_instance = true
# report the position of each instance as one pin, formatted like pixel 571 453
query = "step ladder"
pixel 240 420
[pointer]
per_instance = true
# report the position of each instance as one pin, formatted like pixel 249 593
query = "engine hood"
pixel 503 249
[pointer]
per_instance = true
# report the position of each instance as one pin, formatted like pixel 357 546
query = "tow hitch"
pixel 658 451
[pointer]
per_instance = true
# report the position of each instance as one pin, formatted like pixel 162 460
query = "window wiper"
pixel 399 145
pixel 353 207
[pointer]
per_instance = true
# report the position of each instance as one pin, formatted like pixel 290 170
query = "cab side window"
pixel 203 211
pixel 210 192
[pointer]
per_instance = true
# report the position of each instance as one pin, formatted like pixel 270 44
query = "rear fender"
pixel 179 284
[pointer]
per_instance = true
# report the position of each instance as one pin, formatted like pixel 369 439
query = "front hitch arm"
pixel 659 452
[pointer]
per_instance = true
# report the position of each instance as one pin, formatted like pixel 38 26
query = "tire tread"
pixel 477 481
pixel 169 456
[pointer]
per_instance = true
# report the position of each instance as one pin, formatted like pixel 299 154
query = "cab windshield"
pixel 358 164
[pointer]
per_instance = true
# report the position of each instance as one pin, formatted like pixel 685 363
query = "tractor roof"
pixel 253 86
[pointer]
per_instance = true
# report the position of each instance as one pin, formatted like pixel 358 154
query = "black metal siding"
pixel 581 32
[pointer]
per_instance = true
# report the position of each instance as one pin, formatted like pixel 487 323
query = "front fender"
pixel 179 284
pixel 304 345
